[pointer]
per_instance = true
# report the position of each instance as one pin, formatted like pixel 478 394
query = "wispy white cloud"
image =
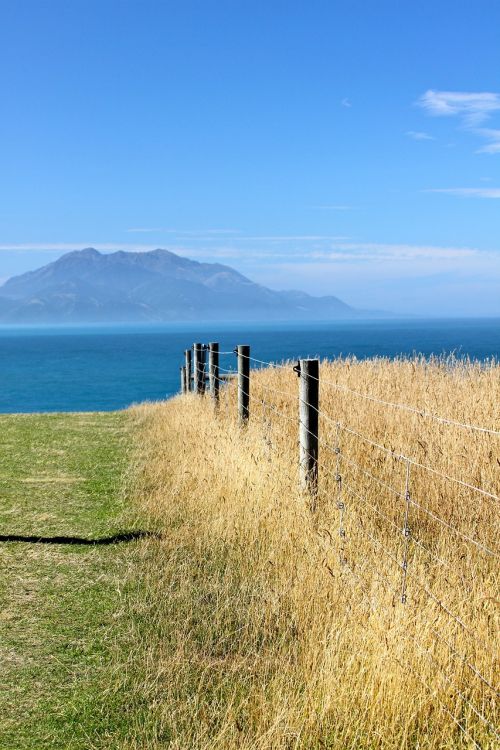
pixel 288 238
pixel 493 136
pixel 473 107
pixel 334 207
pixel 346 102
pixel 418 135
pixel 64 247
pixel 312 249
pixel 260 248
pixel 467 285
pixel 145 230
pixel 474 192
pixel 182 232
pixel 380 251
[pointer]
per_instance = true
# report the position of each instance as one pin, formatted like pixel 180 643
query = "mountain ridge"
pixel 87 286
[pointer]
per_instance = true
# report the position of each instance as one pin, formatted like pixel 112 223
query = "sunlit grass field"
pixel 271 627
pixel 241 619
pixel 65 632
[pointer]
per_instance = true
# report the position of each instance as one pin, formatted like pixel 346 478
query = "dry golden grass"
pixel 267 627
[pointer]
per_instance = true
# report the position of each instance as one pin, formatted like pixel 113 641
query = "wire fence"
pixel 405 527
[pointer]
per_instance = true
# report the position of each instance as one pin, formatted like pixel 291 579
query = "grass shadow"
pixel 126 536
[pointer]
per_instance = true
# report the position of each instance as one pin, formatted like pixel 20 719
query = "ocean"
pixel 106 368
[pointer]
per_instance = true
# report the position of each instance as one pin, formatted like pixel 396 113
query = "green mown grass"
pixel 67 650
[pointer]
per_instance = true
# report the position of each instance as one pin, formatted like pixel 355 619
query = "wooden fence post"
pixel 199 368
pixel 187 355
pixel 308 370
pixel 243 352
pixel 213 370
pixel 183 379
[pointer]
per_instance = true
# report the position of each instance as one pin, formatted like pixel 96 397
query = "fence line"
pixel 352 505
pixel 468 664
pixel 456 691
pixel 414 410
pixel 420 465
pixel 395 405
pixel 387 552
pixel 430 552
pixel 442 706
pixel 454 529
pixel 371 442
pixel 396 456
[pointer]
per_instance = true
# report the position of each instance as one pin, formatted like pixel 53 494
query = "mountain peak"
pixel 87 252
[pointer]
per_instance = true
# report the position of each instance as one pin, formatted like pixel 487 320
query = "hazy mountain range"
pixel 86 286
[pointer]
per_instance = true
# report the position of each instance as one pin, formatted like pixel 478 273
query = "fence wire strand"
pixel 406 407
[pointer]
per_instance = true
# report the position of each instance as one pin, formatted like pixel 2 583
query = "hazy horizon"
pixel 423 315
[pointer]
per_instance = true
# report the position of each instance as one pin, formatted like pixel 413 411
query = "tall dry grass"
pixel 270 627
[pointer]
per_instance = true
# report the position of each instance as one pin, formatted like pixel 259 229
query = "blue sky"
pixel 350 148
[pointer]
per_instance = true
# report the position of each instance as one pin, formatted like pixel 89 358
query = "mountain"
pixel 86 286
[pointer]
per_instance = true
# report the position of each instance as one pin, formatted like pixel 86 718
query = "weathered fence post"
pixel 213 370
pixel 308 370
pixel 183 379
pixel 187 355
pixel 243 352
pixel 199 368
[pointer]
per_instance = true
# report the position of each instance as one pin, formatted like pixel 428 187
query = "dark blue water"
pixel 86 369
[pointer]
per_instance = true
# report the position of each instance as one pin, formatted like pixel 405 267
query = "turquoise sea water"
pixel 106 368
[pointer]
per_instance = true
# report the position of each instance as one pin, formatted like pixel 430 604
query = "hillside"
pixel 87 286
pixel 272 627
pixel 166 585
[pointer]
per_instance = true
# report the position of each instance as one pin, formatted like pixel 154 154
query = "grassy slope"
pixel 62 621
pixel 258 637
